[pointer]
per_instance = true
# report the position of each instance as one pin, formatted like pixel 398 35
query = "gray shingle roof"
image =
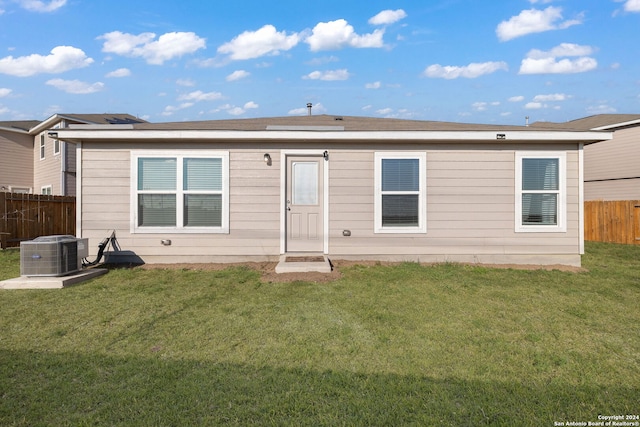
pixel 589 123
pixel 324 122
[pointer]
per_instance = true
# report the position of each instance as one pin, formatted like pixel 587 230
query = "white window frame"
pixel 46 190
pixel 422 192
pixel 179 192
pixel 561 226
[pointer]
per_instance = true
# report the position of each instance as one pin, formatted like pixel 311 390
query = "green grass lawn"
pixel 383 345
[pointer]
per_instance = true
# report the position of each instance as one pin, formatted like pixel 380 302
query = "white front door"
pixel 305 204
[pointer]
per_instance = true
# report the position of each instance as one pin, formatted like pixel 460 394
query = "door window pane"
pixel 304 183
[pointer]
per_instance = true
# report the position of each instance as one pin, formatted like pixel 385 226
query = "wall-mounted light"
pixel 53 135
pixel 325 155
pixel 267 158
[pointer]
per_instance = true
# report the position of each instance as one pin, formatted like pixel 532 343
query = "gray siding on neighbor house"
pixel 612 168
pixel 16 165
pixel 470 205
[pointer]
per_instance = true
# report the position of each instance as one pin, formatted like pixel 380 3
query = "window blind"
pixel 400 175
pixel 540 174
pixel 202 174
pixel 157 174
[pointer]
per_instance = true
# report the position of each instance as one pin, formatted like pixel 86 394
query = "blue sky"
pixel 452 60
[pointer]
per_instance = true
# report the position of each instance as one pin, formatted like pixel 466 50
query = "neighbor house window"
pixel 46 190
pixel 42 145
pixel 541 192
pixel 56 146
pixel 184 193
pixel 400 192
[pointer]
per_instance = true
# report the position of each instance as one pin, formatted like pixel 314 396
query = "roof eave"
pixel 275 135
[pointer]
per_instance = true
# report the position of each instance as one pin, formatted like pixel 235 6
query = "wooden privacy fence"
pixel 612 221
pixel 27 216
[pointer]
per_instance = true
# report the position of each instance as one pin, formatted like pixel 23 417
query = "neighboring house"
pixel 16 156
pixel 346 187
pixel 54 159
pixel 35 161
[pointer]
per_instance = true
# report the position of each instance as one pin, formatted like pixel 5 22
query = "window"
pixel 56 142
pixel 47 190
pixel 541 192
pixel 184 193
pixel 42 151
pixel 400 192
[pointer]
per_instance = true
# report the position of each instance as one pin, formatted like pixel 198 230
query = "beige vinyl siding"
pixel 16 161
pixel 612 168
pixel 470 208
pixel 470 200
pixel 254 206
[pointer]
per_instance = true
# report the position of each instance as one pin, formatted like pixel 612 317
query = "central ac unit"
pixel 52 255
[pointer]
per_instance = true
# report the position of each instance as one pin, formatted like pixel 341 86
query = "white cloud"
pixel 237 75
pixel 601 109
pixel 76 87
pixel 384 111
pixel 632 6
pixel 541 62
pixel 254 44
pixel 120 72
pixel 482 106
pixel 551 97
pixel 41 6
pixel 185 82
pixel 518 98
pixel 61 59
pixel 470 71
pixel 387 17
pixel 374 85
pixel 168 46
pixel 199 95
pixel 237 111
pixel 332 75
pixel 534 105
pixel 4 92
pixel 170 109
pixel 338 34
pixel 533 21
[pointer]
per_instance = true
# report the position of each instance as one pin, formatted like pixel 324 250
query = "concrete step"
pixel 303 263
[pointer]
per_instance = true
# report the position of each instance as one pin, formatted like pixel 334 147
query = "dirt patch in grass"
pixel 268 274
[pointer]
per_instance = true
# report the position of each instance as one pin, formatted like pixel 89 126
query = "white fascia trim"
pixel 484 136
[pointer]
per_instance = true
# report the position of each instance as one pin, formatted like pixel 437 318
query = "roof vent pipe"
pixel 309 105
pixel 526 121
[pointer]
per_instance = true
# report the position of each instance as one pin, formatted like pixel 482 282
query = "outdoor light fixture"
pixel 267 158
pixel 325 155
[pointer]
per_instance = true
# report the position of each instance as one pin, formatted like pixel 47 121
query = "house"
pixel 16 161
pixel 352 188
pixel 35 161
